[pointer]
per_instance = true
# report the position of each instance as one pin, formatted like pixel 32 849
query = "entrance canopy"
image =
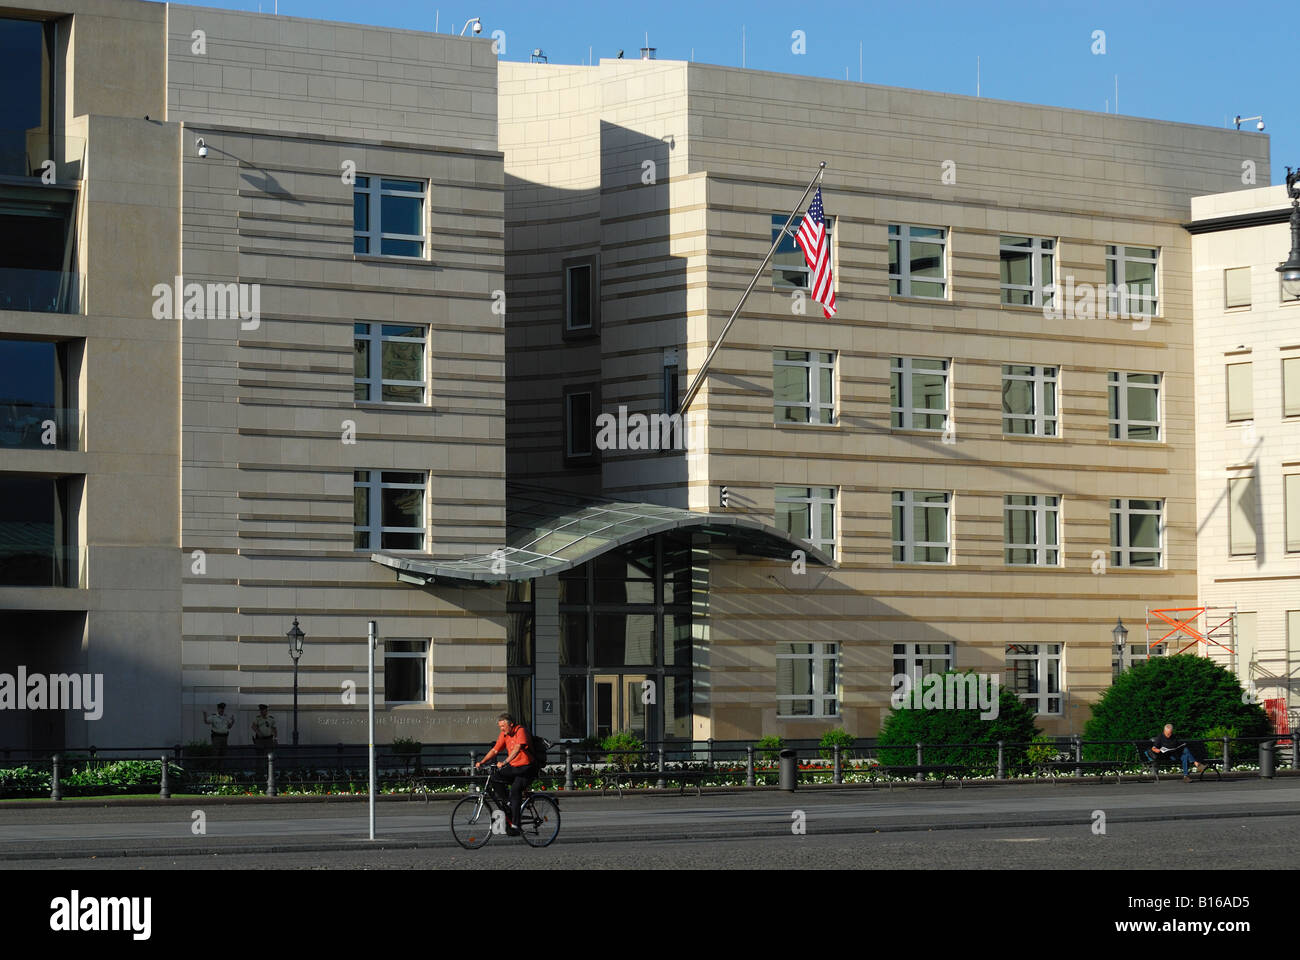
pixel 550 531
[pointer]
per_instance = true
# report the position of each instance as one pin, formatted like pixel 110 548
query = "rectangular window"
pixel 1031 525
pixel 388 510
pixel 807 679
pixel 789 268
pixel 1241 392
pixel 1131 280
pixel 1034 675
pixel 1029 400
pixel 803 386
pixel 1291 497
pixel 1293 657
pixel 388 362
pixel 809 514
pixel 918 261
pixel 921 525
pixel 1028 275
pixel 915 660
pixel 1291 386
pixel 1246 648
pixel 388 217
pixel 579 424
pixel 1133 405
pixel 918 393
pixel 406 671
pixel 1132 654
pixel 1242 529
pixel 578 316
pixel 1136 533
pixel 1236 287
pixel 671 388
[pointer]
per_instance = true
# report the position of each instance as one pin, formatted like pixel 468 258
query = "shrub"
pixel 1042 750
pixel 24 781
pixel 1193 693
pixel 405 747
pixel 770 747
pixel 119 776
pixel 1237 752
pixel 905 727
pixel 623 740
pixel 833 736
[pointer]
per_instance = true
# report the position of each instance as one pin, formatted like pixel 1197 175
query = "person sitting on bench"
pixel 1165 743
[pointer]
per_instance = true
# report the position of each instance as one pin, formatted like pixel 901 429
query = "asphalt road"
pixel 1233 824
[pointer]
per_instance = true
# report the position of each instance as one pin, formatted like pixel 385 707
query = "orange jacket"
pixel 515 735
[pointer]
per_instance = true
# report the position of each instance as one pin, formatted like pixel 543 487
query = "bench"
pixel 1172 757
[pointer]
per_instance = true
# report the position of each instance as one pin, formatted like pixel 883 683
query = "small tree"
pixel 621 741
pixel 833 736
pixel 770 747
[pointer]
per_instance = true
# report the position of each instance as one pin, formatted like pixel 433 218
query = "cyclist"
pixel 516 769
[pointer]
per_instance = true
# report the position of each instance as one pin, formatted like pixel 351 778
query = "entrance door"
pixel 618 705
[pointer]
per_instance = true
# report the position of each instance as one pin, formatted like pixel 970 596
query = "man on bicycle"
pixel 516 769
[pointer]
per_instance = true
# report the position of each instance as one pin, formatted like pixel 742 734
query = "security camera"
pixel 478 27
pixel 203 148
pixel 1260 125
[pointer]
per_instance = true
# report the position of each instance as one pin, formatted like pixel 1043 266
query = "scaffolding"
pixel 1205 628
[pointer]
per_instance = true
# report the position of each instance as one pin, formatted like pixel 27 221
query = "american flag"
pixel 816 248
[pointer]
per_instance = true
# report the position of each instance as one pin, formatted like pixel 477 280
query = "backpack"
pixel 537 750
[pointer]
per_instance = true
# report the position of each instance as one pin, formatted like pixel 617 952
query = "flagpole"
pixel 699 377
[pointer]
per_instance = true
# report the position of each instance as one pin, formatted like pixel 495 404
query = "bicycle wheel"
pixel 539 821
pixel 471 822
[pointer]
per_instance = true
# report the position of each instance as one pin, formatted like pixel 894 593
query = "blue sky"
pixel 1191 62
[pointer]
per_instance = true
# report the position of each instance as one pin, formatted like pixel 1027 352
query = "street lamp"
pixel 1290 270
pixel 296 638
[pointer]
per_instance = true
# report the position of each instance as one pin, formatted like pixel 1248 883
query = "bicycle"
pixel 478 816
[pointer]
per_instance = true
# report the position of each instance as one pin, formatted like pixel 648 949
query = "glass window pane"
pixel 573 707
pixel 403 508
pixel 400 248
pixel 573 640
pixel 361 359
pixel 361 212
pixel 1141 403
pixel 1143 531
pixel 401 215
pixel 1017 268
pixel 926 259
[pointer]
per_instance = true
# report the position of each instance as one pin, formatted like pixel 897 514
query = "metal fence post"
pixel 568 768
pixel 749 766
pixel 710 751
pixel 837 775
pixel 1227 758
pixel 1002 760
pixel 920 760
pixel 1078 754
pixel 270 774
pixel 660 782
pixel 56 788
pixel 164 786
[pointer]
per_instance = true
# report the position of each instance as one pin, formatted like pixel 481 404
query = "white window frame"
pixel 1043 514
pixel 1249 390
pixel 1227 300
pixel 908 502
pixel 1119 301
pixel 1291 514
pixel 1040 655
pixel 1042 290
pixel 779 282
pixel 1135 653
pixel 816 535
pixel 423 657
pixel 1290 398
pixel 820 654
pixel 376 235
pixel 1119 426
pixel 1040 381
pixel 902 232
pixel 1251 493
pixel 1120 552
pixel 816 403
pixel 903 366
pixel 375 381
pixel 375 514
pixel 912 657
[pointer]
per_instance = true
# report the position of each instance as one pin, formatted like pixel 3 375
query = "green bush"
pixel 1237 752
pixel 770 747
pixel 406 746
pixel 833 736
pixel 119 776
pixel 24 782
pixel 1193 693
pixel 622 740
pixel 904 728
pixel 1043 750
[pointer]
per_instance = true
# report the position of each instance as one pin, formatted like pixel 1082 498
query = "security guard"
pixel 264 731
pixel 221 724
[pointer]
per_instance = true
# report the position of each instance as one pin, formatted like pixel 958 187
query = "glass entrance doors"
pixel 617 699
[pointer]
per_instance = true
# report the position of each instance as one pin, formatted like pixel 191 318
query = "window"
pixel 917 261
pixel 1133 401
pixel 388 510
pixel 803 386
pixel 1291 386
pixel 807 679
pixel 405 671
pixel 809 514
pixel 920 520
pixel 789 268
pixel 1027 270
pixel 388 362
pixel 1241 392
pixel 520 617
pixel 579 424
pixel 1131 280
pixel 1134 653
pixel 671 384
pixel 1029 400
pixel 1236 287
pixel 918 393
pixel 1034 674
pixel 388 217
pixel 581 303
pixel 915 660
pixel 1291 497
pixel 1031 524
pixel 1136 531
pixel 1242 531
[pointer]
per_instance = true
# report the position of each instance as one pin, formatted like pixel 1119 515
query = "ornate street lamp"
pixel 1120 633
pixel 296 638
pixel 1290 270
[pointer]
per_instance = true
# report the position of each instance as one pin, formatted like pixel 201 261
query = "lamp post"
pixel 1120 633
pixel 296 636
pixel 1290 270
